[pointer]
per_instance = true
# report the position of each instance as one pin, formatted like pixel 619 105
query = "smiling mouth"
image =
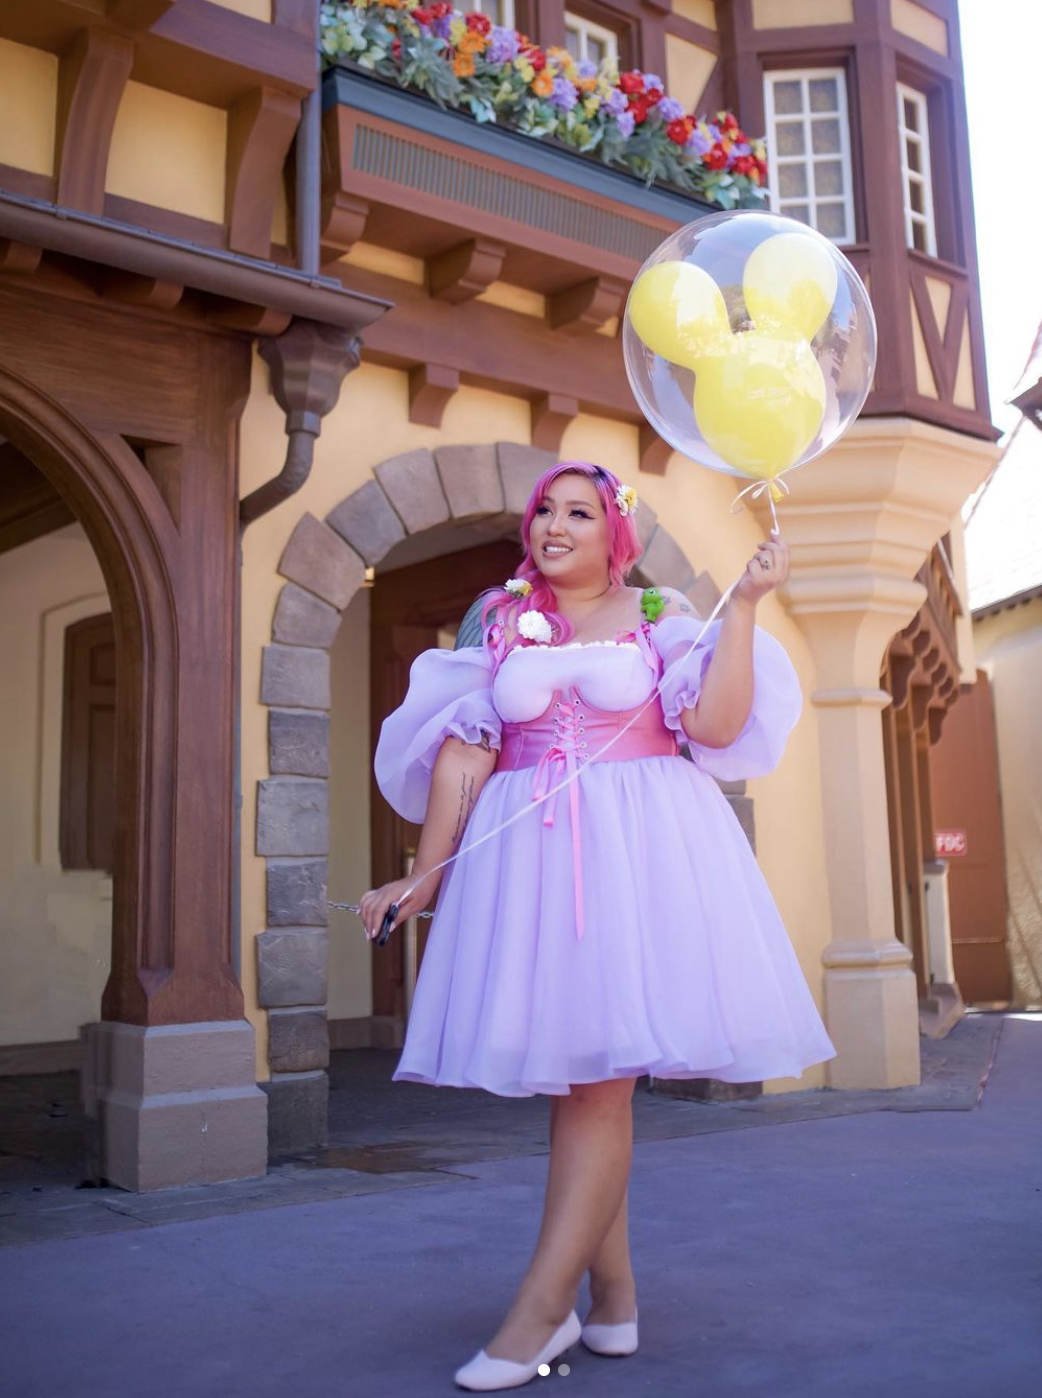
pixel 556 550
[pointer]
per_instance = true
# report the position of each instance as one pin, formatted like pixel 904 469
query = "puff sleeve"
pixel 777 699
pixel 449 695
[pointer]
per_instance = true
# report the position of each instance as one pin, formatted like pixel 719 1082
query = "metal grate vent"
pixel 449 177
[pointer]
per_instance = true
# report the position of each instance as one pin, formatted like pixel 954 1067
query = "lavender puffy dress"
pixel 622 926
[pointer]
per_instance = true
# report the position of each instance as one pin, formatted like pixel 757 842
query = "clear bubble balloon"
pixel 749 342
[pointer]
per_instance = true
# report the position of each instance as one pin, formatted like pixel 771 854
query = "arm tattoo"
pixel 486 740
pixel 466 805
pixel 685 606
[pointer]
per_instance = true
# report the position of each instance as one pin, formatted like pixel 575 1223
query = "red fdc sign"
pixel 949 843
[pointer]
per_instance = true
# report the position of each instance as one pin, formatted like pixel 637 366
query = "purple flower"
pixel 715 133
pixel 669 109
pixel 504 45
pixel 652 80
pixel 625 122
pixel 615 102
pixel 697 144
pixel 743 148
pixel 587 69
pixel 564 94
pixel 441 26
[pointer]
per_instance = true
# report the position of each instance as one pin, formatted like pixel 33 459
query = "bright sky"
pixel 1001 43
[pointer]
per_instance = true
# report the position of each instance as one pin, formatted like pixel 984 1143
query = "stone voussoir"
pixel 665 562
pixel 321 561
pixel 297 892
pixel 519 468
pixel 413 486
pixel 470 479
pixel 302 619
pixel 367 520
pixel 293 816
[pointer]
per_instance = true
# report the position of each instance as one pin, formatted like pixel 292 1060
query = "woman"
pixel 620 928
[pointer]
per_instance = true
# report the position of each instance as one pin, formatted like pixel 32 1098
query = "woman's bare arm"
pixel 460 772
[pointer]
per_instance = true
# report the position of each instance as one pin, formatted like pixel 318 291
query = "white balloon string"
pixel 759 488
pixel 584 767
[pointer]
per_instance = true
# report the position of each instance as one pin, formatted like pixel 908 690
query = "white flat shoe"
pixel 611 1339
pixel 484 1372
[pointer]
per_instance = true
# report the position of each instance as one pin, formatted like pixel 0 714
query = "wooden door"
pixel 964 769
pixel 410 606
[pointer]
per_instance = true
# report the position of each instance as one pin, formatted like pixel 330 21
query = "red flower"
pixel 715 158
pixel 639 108
pixel 632 83
pixel 536 57
pixel 680 130
pixel 423 16
pixel 744 165
pixel 441 9
pixel 727 122
pixel 396 50
pixel 761 169
pixel 654 96
pixel 477 22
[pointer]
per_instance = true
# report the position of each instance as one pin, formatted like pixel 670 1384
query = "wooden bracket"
pixel 462 272
pixel 21 258
pixel 138 15
pixel 551 414
pixel 586 306
pixel 136 290
pixel 343 223
pixel 260 128
pixel 431 386
pixel 654 452
pixel 240 315
pixel 92 75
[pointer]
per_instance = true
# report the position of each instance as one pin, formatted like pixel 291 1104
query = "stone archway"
pixel 324 563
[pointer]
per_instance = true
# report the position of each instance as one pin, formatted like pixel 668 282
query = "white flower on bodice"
pixel 535 627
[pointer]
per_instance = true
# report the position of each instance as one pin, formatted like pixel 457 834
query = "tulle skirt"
pixel 684 969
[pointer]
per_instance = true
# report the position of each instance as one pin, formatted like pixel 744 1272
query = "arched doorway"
pixel 453 503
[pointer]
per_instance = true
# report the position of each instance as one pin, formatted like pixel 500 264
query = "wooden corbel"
pixel 20 258
pixel 654 452
pixel 133 289
pixel 261 125
pixel 254 320
pixel 431 386
pixel 92 75
pixel 464 271
pixel 586 306
pixel 343 223
pixel 551 414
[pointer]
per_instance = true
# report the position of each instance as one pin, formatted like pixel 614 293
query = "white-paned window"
pixel 916 188
pixel 808 149
pixel 586 40
pixel 500 12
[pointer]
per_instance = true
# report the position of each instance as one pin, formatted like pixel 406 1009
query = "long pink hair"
pixel 624 550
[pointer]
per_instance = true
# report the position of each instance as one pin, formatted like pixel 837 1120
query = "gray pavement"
pixel 865 1243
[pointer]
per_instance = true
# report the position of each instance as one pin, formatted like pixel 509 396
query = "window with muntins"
pixel 808 149
pixel 500 12
pixel 916 187
pixel 586 40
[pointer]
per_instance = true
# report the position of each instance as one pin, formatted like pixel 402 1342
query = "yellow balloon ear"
pixel 789 285
pixel 678 311
pixel 760 405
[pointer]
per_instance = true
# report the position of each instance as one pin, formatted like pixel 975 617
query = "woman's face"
pixel 569 534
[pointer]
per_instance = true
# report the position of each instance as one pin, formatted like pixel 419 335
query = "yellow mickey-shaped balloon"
pixel 760 401
pixel 789 285
pixel 678 311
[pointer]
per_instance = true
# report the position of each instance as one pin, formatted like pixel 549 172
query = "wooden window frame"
pixel 805 74
pixel 925 219
pixel 510 20
pixel 586 28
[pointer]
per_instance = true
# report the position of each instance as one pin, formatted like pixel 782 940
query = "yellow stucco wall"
pixel 28 103
pixel 797 14
pixel 1009 647
pixel 688 68
pixel 169 151
pixel 371 424
pixel 920 24
pixel 254 9
pixel 56 925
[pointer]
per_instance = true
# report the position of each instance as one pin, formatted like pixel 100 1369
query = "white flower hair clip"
pixel 535 627
pixel 517 587
pixel 626 499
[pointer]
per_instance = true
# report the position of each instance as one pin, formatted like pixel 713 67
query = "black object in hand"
pixel 387 924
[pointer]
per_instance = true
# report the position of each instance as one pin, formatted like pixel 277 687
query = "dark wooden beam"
pixel 260 130
pixel 92 75
pixel 29 505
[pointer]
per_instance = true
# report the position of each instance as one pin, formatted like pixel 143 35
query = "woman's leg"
pixel 613 1290
pixel 589 1169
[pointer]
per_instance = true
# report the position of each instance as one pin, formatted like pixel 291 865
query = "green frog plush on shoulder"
pixel 652 604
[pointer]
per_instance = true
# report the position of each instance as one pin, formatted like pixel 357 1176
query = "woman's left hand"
pixel 766 570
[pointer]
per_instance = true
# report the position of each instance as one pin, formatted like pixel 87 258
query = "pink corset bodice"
pixel 571 731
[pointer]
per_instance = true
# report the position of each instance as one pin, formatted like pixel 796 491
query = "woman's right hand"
pixel 374 904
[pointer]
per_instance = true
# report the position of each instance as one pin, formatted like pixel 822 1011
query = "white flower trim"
pixel 517 587
pixel 535 627
pixel 627 499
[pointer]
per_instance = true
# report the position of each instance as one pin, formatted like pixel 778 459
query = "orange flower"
pixel 586 84
pixel 472 42
pixel 542 84
pixel 463 65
